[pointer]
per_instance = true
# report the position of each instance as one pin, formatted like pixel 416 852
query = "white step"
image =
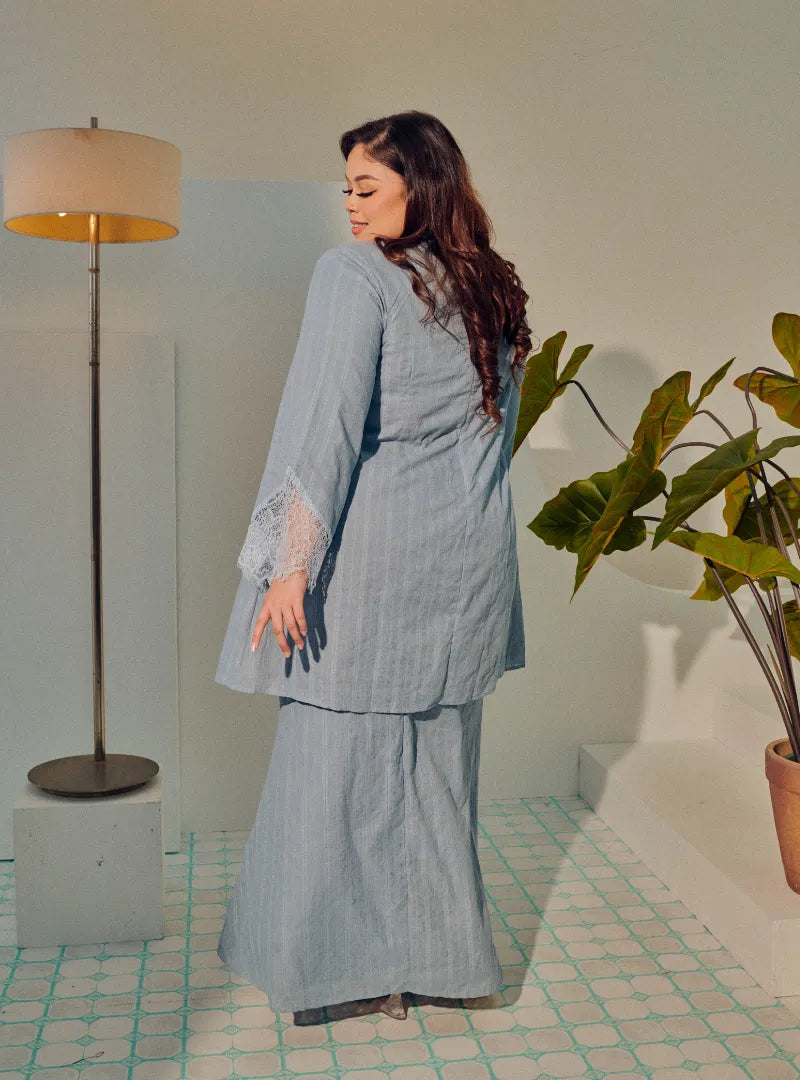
pixel 698 814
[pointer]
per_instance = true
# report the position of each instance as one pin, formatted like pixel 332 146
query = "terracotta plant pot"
pixel 784 791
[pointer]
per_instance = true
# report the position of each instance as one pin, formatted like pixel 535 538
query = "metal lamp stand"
pixel 89 776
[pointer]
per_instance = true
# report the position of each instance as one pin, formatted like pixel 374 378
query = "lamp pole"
pixel 98 694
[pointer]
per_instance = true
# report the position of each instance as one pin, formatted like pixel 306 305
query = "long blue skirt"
pixel 360 875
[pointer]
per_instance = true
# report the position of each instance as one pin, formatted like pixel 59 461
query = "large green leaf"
pixel 669 407
pixel 747 526
pixel 748 557
pixel 639 480
pixel 786 335
pixel 542 383
pixel 670 403
pixel 709 476
pixel 709 589
pixel 792 617
pixel 711 383
pixel 673 397
pixel 572 366
pixel 737 493
pixel 743 523
pixel 566 520
pixel 781 392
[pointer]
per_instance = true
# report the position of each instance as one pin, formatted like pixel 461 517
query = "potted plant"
pixel 758 551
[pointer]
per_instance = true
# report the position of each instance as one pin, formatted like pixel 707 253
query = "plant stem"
pixel 785 653
pixel 680 445
pixel 775 618
pixel 716 419
pixel 770 371
pixel 771 493
pixel 772 623
pixel 784 474
pixel 748 633
pixel 777 622
pixel 596 412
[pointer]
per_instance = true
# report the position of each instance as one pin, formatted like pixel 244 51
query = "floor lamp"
pixel 100 186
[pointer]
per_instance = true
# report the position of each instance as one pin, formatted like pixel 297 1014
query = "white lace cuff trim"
pixel 285 535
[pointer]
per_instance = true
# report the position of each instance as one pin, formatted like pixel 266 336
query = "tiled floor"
pixel 607 974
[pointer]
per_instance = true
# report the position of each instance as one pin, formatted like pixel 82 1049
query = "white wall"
pixel 46 687
pixel 639 164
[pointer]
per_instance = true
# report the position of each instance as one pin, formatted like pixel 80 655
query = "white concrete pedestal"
pixel 89 870
pixel 698 813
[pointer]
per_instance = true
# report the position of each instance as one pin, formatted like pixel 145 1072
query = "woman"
pixel 383 546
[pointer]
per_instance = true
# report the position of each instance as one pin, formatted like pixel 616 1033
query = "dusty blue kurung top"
pixel 381 482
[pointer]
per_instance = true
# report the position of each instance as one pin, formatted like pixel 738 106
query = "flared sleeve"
pixel 320 422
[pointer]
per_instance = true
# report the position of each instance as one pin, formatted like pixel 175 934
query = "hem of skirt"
pixel 355 991
pixel 286 690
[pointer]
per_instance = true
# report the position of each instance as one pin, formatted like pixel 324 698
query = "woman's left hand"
pixel 283 604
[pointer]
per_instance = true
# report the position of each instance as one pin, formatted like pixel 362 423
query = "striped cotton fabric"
pixel 360 876
pixel 418 597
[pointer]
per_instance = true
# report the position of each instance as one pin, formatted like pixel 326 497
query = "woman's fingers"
pixel 290 620
pixel 283 606
pixel 263 618
pixel 280 637
pixel 278 620
pixel 299 612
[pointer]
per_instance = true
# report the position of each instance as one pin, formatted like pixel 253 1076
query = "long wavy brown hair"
pixel 444 210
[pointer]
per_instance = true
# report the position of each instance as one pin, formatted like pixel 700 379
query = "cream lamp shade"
pixel 55 178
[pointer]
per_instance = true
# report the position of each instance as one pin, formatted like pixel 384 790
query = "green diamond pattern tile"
pixel 607 975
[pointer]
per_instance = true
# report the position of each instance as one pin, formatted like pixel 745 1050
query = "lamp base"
pixel 83 777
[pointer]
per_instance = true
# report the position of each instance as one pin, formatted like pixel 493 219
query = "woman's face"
pixel 375 197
